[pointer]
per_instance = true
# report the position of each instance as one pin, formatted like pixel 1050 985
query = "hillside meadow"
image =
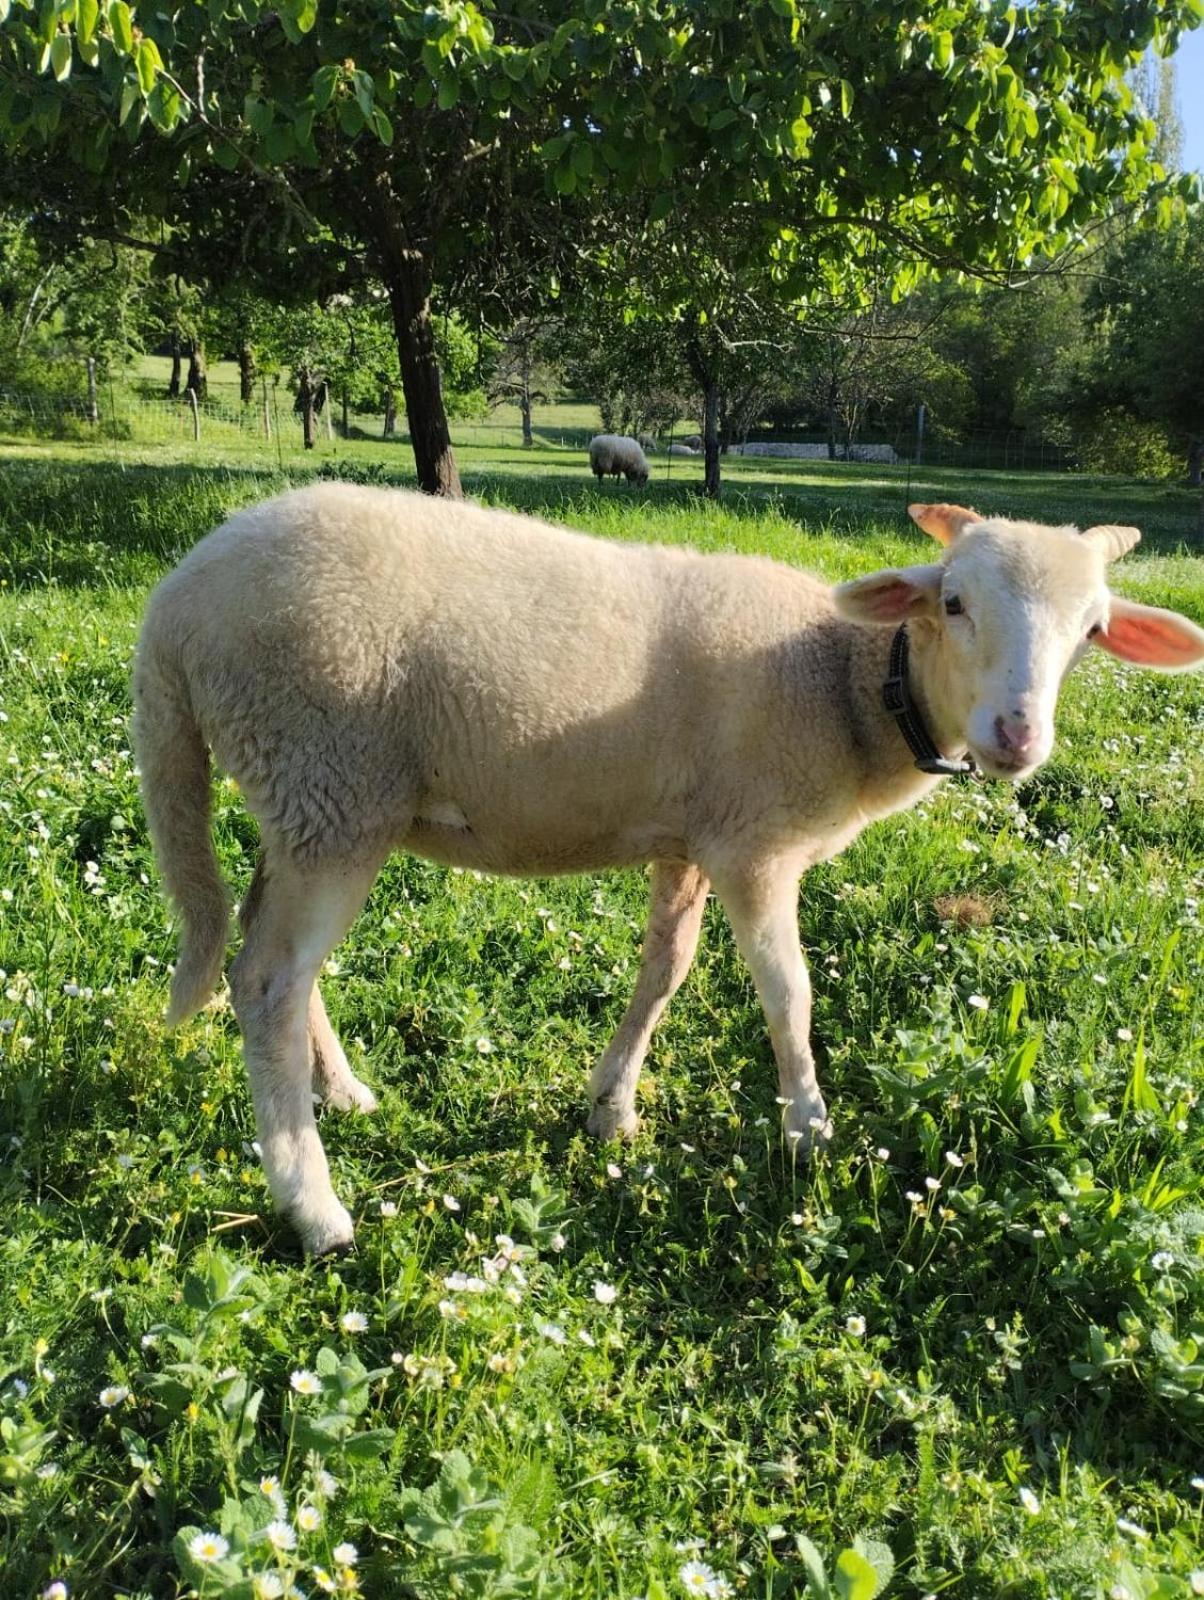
pixel 961 1355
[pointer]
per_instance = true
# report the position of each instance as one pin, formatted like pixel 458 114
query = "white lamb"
pixel 380 670
pixel 615 454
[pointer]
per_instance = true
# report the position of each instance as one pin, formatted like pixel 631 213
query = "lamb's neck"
pixel 892 780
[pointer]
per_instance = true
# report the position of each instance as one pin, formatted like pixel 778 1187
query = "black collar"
pixel 896 696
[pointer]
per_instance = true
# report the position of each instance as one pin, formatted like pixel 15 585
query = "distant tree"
pixel 1148 313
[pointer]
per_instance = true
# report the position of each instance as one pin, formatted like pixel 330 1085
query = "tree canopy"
pixel 462 145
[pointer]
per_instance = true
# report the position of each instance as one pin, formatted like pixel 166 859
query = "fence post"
pixel 920 434
pixel 326 403
pixel 267 416
pixel 196 416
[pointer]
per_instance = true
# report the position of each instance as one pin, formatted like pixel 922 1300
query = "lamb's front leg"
pixel 762 907
pixel 678 897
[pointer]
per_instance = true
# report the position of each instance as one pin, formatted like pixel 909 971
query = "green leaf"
pixel 164 105
pixel 87 15
pixel 323 86
pixel 846 98
pixel 813 1566
pixel 148 62
pixel 942 50
pixel 855 1578
pixel 449 92
pixel 121 26
pixel 60 55
pixel 384 128
pixel 878 1555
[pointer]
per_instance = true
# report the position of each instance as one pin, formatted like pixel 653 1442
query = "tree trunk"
pixel 93 405
pixel 346 414
pixel 724 439
pixel 407 278
pixel 1195 463
pixel 305 400
pixel 710 439
pixel 390 427
pixel 198 376
pixel 524 397
pixel 246 373
pixel 173 383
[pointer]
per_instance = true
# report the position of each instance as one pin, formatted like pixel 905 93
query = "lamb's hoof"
pixel 808 1137
pixel 612 1122
pixel 351 1096
pixel 330 1235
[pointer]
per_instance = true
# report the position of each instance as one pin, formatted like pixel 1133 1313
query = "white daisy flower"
pixel 113 1395
pixel 55 1591
pixel 306 1382
pixel 326 1482
pixel 308 1518
pixel 208 1547
pixel 345 1554
pixel 855 1326
pixel 1029 1501
pixel 551 1331
pixel 605 1293
pixel 979 1002
pixel 353 1322
pixel 388 1208
pixel 281 1535
pixel 697 1578
pixel 268 1586
pixel 450 1201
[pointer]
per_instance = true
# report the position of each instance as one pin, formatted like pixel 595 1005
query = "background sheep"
pixel 678 449
pixel 378 670
pixel 612 454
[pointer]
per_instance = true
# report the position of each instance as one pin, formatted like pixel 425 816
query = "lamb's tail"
pixel 174 763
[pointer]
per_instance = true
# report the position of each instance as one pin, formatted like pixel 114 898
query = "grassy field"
pixel 972 1335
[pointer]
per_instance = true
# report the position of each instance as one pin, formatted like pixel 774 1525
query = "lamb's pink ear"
pixel 890 596
pixel 1151 637
pixel 942 523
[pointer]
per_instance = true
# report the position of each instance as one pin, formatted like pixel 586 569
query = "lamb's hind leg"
pixel 678 897
pixel 293 918
pixel 333 1079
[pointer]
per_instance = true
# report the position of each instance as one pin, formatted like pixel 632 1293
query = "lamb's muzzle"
pixel 380 670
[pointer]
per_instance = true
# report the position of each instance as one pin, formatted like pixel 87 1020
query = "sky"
pixel 1189 59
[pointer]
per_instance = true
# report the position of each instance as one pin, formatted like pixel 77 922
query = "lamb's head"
pixel 1010 608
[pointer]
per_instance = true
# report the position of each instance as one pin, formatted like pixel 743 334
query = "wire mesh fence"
pixel 272 422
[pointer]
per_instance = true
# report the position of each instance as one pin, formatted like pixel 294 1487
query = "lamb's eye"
pixel 1095 628
pixel 953 606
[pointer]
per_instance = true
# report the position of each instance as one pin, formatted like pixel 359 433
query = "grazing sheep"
pixel 677 449
pixel 380 670
pixel 612 454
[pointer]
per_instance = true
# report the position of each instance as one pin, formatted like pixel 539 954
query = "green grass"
pixel 1000 1378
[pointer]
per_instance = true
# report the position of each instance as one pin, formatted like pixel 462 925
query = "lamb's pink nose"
pixel 1015 735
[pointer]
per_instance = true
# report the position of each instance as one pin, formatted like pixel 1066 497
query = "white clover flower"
pixel 551 1331
pixel 954 1160
pixel 484 1046
pixel 605 1293
pixel 308 1518
pixel 882 1153
pixel 855 1326
pixel 450 1201
pixel 613 1170
pixel 353 1322
pixel 1124 1034
pixel 388 1208
pixel 557 1242
pixel 1029 1501
pixel 979 1002
pixel 281 1535
pixel 306 1382
pixel 113 1395
pixel 797 1218
pixel 208 1547
pixel 1161 1260
pixel 345 1554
